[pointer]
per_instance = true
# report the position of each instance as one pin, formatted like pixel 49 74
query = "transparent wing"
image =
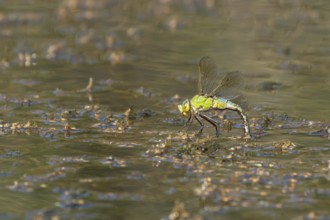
pixel 213 83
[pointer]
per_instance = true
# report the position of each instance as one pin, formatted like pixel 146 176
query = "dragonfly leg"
pixel 197 117
pixel 188 122
pixel 212 122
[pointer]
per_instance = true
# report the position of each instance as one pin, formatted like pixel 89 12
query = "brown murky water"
pixel 72 151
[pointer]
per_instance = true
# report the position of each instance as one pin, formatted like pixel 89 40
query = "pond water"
pixel 89 122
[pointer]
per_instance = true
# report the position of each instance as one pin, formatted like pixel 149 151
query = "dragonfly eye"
pixel 185 107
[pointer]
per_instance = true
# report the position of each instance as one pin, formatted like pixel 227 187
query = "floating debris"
pixel 21 187
pixel 111 196
pixel 67 130
pixel 72 199
pixel 113 162
pixel 116 58
pixel 53 50
pixel 58 160
pixel 178 212
pixel 206 189
pixel 90 85
pixel 55 175
pixel 17 127
pixel 158 149
pixel 26 59
pixel 68 114
pixel 322 133
pixel 143 91
pixel 130 114
pixel 283 146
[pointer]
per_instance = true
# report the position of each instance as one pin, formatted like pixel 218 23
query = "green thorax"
pixel 204 103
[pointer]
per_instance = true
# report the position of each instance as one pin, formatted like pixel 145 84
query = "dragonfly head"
pixel 185 107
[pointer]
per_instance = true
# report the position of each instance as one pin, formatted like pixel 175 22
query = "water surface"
pixel 68 152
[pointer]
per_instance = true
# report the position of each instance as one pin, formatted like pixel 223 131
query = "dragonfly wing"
pixel 228 85
pixel 207 76
pixel 214 83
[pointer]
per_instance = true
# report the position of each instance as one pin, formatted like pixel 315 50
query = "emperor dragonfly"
pixel 211 83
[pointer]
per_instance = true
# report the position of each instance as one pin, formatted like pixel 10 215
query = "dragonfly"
pixel 213 87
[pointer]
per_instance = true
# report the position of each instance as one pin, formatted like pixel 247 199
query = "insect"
pixel 212 87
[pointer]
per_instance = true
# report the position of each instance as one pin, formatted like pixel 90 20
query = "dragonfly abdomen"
pixel 221 103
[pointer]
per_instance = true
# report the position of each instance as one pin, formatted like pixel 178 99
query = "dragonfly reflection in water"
pixel 213 86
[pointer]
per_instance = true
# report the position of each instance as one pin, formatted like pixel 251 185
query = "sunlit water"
pixel 70 153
